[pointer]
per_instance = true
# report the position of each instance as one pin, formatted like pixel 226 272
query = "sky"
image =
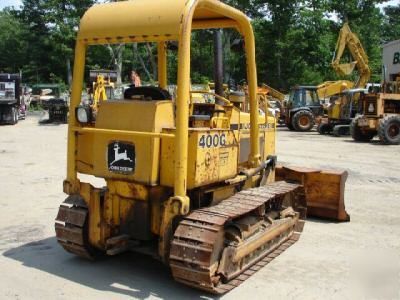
pixel 17 3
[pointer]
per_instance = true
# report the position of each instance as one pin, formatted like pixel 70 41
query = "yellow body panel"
pixel 141 116
pixel 334 111
pixel 330 88
pixel 212 158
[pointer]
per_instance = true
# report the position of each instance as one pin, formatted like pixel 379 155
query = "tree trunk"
pixel 227 35
pixel 118 63
pixel 152 60
pixel 117 57
pixel 69 72
pixel 140 59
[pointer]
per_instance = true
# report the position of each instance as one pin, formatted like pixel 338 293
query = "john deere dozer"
pixel 190 183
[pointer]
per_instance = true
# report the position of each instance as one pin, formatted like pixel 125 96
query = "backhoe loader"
pixel 192 184
pixel 302 108
pixel 102 88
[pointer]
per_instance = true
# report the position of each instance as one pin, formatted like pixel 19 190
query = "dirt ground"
pixel 355 260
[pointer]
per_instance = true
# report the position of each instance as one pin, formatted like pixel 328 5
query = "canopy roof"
pixel 155 20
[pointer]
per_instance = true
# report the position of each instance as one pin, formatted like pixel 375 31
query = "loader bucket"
pixel 324 190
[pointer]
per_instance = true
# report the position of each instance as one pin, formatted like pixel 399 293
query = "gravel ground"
pixel 355 260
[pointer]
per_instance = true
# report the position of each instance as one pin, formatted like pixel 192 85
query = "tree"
pixel 294 41
pixel 391 24
pixel 63 20
pixel 52 27
pixel 364 19
pixel 13 46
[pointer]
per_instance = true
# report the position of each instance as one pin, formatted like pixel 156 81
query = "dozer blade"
pixel 218 247
pixel 324 190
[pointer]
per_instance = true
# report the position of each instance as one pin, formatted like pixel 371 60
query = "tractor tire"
pixel 303 121
pixel 357 134
pixel 324 128
pixel 341 130
pixel 290 126
pixel 389 130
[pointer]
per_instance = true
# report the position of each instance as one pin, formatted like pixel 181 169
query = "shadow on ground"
pixel 374 142
pixel 131 274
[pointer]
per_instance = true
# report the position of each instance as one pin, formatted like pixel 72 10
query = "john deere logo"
pixel 121 158
pixel 396 58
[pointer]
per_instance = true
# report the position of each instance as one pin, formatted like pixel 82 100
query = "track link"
pixel 71 227
pixel 198 242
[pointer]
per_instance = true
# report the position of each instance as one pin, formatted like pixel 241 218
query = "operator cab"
pixel 301 96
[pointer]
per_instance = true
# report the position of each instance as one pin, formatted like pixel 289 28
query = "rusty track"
pixel 71 227
pixel 195 257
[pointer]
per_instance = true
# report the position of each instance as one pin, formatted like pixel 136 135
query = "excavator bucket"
pixel 346 69
pixel 324 190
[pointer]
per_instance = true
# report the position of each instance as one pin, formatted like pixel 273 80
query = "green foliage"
pixel 13 46
pixel 391 24
pixel 295 42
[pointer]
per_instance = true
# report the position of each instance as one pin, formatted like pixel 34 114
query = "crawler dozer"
pixel 192 184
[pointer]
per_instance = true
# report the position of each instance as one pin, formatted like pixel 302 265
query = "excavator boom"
pixel 350 40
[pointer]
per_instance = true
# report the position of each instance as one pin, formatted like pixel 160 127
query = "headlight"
pixel 83 114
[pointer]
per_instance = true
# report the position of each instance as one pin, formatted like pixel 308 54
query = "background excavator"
pixel 344 106
pixel 192 184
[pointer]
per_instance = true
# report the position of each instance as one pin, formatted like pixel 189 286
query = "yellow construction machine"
pixel 379 114
pixel 276 101
pixel 343 106
pixel 329 88
pixel 350 40
pixel 192 184
pixel 103 86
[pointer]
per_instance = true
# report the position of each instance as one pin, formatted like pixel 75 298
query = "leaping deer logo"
pixel 119 156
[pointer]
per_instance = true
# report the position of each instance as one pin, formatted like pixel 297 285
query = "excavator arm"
pixel 348 39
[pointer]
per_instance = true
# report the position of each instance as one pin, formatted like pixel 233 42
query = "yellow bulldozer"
pixel 193 184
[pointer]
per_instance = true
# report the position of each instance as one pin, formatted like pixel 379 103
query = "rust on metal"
pixel 324 190
pixel 217 248
pixel 71 227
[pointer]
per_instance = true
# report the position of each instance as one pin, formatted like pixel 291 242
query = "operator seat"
pixel 147 93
